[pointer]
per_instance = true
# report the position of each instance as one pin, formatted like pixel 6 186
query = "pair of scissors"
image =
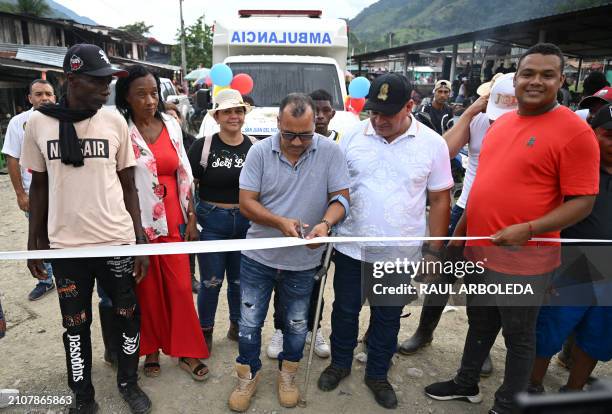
pixel 301 229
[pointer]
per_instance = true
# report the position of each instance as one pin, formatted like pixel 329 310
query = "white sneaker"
pixel 276 345
pixel 321 347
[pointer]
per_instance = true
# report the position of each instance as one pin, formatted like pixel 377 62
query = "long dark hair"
pixel 122 88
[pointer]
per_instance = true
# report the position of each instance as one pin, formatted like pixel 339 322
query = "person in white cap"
pixel 438 112
pixel 496 98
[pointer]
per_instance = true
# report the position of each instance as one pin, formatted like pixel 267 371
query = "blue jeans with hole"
pixel 456 214
pixel 219 224
pixel 256 284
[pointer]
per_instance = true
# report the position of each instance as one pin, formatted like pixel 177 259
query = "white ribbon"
pixel 215 246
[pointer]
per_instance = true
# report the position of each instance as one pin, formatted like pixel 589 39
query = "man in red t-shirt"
pixel 538 173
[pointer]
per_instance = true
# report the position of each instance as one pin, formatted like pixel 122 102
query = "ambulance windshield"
pixel 274 80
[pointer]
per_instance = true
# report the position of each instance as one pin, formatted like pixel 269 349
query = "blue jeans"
pixel 384 321
pixel 256 284
pixel 219 224
pixel 456 213
pixel 49 279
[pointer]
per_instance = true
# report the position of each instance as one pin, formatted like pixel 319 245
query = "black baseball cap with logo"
pixel 603 118
pixel 388 94
pixel 88 59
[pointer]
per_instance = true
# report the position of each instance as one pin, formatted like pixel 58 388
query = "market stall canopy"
pixel 197 74
pixel 585 33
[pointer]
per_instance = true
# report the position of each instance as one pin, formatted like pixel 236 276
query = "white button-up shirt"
pixel 388 186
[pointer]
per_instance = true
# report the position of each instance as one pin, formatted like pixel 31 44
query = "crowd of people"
pixel 101 177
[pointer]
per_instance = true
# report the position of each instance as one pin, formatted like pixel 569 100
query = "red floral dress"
pixel 168 317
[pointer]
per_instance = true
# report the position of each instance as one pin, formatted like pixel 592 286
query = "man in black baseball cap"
pixel 83 194
pixel 388 94
pixel 411 163
pixel 87 59
pixel 389 105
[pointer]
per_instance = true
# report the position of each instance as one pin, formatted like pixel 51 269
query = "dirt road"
pixel 32 356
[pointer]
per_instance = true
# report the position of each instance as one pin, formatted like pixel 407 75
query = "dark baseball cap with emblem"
pixel 603 118
pixel 88 59
pixel 388 94
pixel 604 95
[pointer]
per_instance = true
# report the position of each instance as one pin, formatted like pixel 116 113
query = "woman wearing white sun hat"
pixel 216 162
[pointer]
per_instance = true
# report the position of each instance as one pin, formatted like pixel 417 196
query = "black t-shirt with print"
pixel 439 118
pixel 219 183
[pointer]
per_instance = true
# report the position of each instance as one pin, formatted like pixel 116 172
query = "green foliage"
pixel 38 8
pixel 137 28
pixel 416 20
pixel 198 45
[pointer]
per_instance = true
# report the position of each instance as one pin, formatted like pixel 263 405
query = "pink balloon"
pixel 243 83
pixel 208 81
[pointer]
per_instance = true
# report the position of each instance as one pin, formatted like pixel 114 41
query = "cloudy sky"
pixel 164 14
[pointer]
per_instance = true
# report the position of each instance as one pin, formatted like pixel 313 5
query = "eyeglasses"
pixel 290 136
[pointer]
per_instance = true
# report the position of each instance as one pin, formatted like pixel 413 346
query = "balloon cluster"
pixel 358 90
pixel 221 77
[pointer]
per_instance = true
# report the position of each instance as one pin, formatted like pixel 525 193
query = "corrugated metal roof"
pixel 13 63
pixel 584 32
pixel 36 56
pixel 14 47
pixel 46 55
pixel 122 60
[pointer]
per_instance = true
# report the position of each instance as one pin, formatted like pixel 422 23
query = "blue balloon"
pixel 221 74
pixel 359 87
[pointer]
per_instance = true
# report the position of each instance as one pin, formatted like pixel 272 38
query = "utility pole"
pixel 183 50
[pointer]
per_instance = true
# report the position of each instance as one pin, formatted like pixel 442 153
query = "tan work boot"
pixel 288 393
pixel 240 399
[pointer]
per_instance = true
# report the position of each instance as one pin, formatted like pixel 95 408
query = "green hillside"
pixel 413 20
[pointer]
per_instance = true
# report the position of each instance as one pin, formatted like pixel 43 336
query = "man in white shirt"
pixel 395 163
pixel 40 93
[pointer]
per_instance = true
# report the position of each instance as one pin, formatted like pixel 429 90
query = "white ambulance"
pixel 283 51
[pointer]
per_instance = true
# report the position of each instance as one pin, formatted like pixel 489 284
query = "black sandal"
pixel 152 369
pixel 184 365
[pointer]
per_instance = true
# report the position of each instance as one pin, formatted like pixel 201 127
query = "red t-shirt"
pixel 527 165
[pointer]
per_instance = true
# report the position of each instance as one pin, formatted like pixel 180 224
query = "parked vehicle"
pixel 284 52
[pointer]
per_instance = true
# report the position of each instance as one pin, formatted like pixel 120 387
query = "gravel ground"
pixel 32 356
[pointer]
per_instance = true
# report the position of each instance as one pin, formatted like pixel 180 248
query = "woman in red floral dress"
pixel 163 178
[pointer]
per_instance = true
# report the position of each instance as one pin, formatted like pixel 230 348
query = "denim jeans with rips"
pixel 256 283
pixel 219 224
